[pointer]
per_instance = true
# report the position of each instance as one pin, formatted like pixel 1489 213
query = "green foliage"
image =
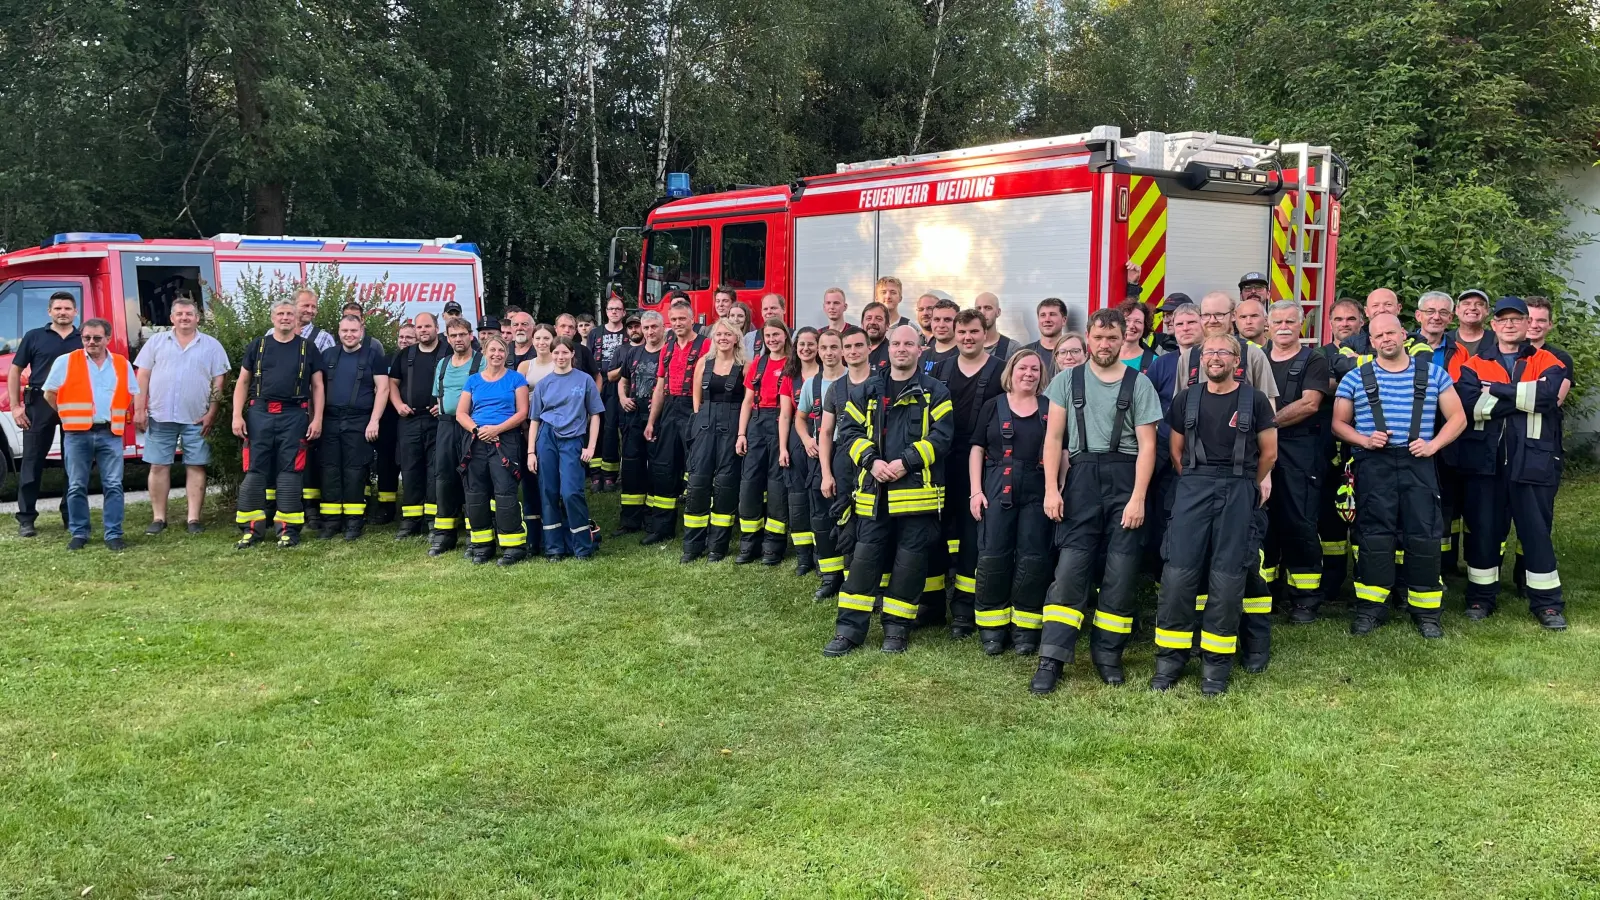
pixel 238 318
pixel 1577 331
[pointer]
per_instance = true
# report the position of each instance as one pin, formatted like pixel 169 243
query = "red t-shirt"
pixel 679 375
pixel 774 383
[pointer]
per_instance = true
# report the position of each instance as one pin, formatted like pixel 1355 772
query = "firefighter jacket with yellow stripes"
pixel 909 421
pixel 1515 420
pixel 1357 350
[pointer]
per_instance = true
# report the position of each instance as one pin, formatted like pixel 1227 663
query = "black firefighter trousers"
pixel 900 545
pixel 1397 509
pixel 1099 486
pixel 1210 529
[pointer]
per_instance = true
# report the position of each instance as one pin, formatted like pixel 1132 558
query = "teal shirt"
pixel 455 379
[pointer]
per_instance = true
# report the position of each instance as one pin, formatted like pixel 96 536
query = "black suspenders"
pixel 1124 404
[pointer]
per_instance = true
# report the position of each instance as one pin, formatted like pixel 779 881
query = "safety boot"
pixel 839 646
pixel 1046 676
pixel 960 631
pixel 654 537
pixel 1364 624
pixel 1025 641
pixel 749 551
pixel 511 556
pixel 329 526
pixel 992 641
pixel 354 527
pixel 1110 674
pixel 1169 668
pixel 831 583
pixel 805 560
pixel 479 554
pixel 1551 619
pixel 382 513
pixel 1428 625
pixel 1215 671
pixel 253 535
pixel 689 556
pixel 1302 615
pixel 895 638
pixel 409 527
pixel 442 542
pixel 289 537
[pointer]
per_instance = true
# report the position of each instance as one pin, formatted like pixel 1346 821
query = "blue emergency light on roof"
pixel 678 185
pixel 85 237
pixel 279 244
pixel 468 247
pixel 385 246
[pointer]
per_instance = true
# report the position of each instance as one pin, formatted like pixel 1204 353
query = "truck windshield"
pixel 678 259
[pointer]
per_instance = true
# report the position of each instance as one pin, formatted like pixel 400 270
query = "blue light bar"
pixel 279 244
pixel 678 185
pixel 387 246
pixel 468 246
pixel 85 237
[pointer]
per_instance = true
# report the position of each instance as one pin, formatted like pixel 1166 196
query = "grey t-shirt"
pixel 1100 409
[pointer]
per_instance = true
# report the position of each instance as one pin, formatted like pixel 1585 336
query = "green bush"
pixel 239 317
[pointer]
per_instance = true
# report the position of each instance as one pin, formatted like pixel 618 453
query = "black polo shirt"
pixel 39 350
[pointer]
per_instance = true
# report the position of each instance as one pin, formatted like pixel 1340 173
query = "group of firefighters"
pixel 940 473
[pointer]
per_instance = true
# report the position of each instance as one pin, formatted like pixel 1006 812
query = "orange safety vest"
pixel 75 398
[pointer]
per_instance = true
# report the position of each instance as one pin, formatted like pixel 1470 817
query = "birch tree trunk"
pixel 933 72
pixel 666 101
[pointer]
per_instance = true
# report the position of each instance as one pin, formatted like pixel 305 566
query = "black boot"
pixel 511 556
pixel 382 513
pixel 442 542
pixel 479 554
pixel 1025 641
pixel 289 536
pixel 1215 670
pixel 353 528
pixel 1169 668
pixel 1302 615
pixel 1428 625
pixel 805 560
pixel 654 538
pixel 831 583
pixel 1046 676
pixel 329 527
pixel 409 527
pixel 895 638
pixel 749 549
pixel 254 533
pixel 689 556
pixel 992 641
pixel 1110 673
pixel 839 646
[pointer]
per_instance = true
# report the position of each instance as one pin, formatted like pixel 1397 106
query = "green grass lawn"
pixel 361 721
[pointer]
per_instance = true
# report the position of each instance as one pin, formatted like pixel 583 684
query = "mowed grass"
pixel 360 721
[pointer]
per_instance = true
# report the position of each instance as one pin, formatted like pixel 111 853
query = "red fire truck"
pixel 131 283
pixel 1056 217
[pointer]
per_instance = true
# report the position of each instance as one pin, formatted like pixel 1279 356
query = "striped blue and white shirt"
pixel 1395 391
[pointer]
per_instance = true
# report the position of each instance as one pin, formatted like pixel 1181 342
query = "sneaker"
pixel 195 527
pixel 155 527
pixel 1551 619
pixel 77 543
pixel 116 545
pixel 1045 677
pixel 839 646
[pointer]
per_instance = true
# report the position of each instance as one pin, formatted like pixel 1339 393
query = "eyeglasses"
pixel 1218 353
pixel 1221 315
pixel 93 338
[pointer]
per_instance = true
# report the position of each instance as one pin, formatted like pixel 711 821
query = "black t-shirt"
pixel 968 406
pixel 605 346
pixel 1218 425
pixel 39 350
pixel 932 357
pixel 878 357
pixel 348 376
pixel 583 361
pixel 1027 441
pixel 281 370
pixel 515 359
pixel 1313 378
pixel 638 365
pixel 414 368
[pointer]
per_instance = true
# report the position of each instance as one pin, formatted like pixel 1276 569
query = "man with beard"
pixel 1051 314
pixel 875 322
pixel 942 324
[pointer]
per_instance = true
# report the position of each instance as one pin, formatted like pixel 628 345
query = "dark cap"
pixel 632 319
pixel 489 323
pixel 1252 278
pixel 452 307
pixel 1510 304
pixel 1472 292
pixel 1174 300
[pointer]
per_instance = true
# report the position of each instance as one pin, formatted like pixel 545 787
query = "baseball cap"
pixel 632 319
pixel 1472 292
pixel 1174 300
pixel 1510 304
pixel 452 307
pixel 1252 278
pixel 489 323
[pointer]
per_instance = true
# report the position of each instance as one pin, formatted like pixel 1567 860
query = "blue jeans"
pixel 561 488
pixel 83 449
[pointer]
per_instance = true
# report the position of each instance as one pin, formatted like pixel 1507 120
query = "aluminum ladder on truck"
pixel 1308 230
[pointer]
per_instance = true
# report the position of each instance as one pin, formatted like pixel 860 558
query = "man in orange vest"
pixel 92 391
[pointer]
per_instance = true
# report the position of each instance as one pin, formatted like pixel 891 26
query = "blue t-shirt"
pixel 1395 391
pixel 494 402
pixel 563 403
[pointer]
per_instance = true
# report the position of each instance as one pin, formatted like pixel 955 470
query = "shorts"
pixel 164 438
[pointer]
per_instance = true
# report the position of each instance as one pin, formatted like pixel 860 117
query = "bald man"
pixel 995 343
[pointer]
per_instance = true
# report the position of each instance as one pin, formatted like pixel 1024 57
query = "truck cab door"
pixel 24 306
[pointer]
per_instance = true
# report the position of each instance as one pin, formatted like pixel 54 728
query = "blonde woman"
pixel 1015 539
pixel 714 462
pixel 492 410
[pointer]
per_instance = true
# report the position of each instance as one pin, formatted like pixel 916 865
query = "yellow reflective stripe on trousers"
pixel 443 524
pixel 388 496
pixel 993 618
pixel 411 512
pixel 517 539
pixel 481 536
pixel 803 538
pixel 243 517
pixel 695 521
pixel 830 565
pixel 776 526
pixel 1425 599
pixel 1174 640
pixel 1335 548
pixel 1305 581
pixel 355 509
pixel 953 546
pixel 883 581
pixel 1268 575
pixel 933 583
pixel 1217 643
pixel 899 608
pixel 656 501
pixel 1025 619
pixel 1372 593
pixel 750 526
pixel 722 520
pixel 632 499
pixel 307 494
pixel 858 602
pixel 1064 615
pixel 966 585
pixel 310 493
pixel 1200 602
pixel 430 509
pixel 1543 581
pixel 1258 606
pixel 289 518
pixel 1483 576
pixel 1112 622
pixel 329 509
